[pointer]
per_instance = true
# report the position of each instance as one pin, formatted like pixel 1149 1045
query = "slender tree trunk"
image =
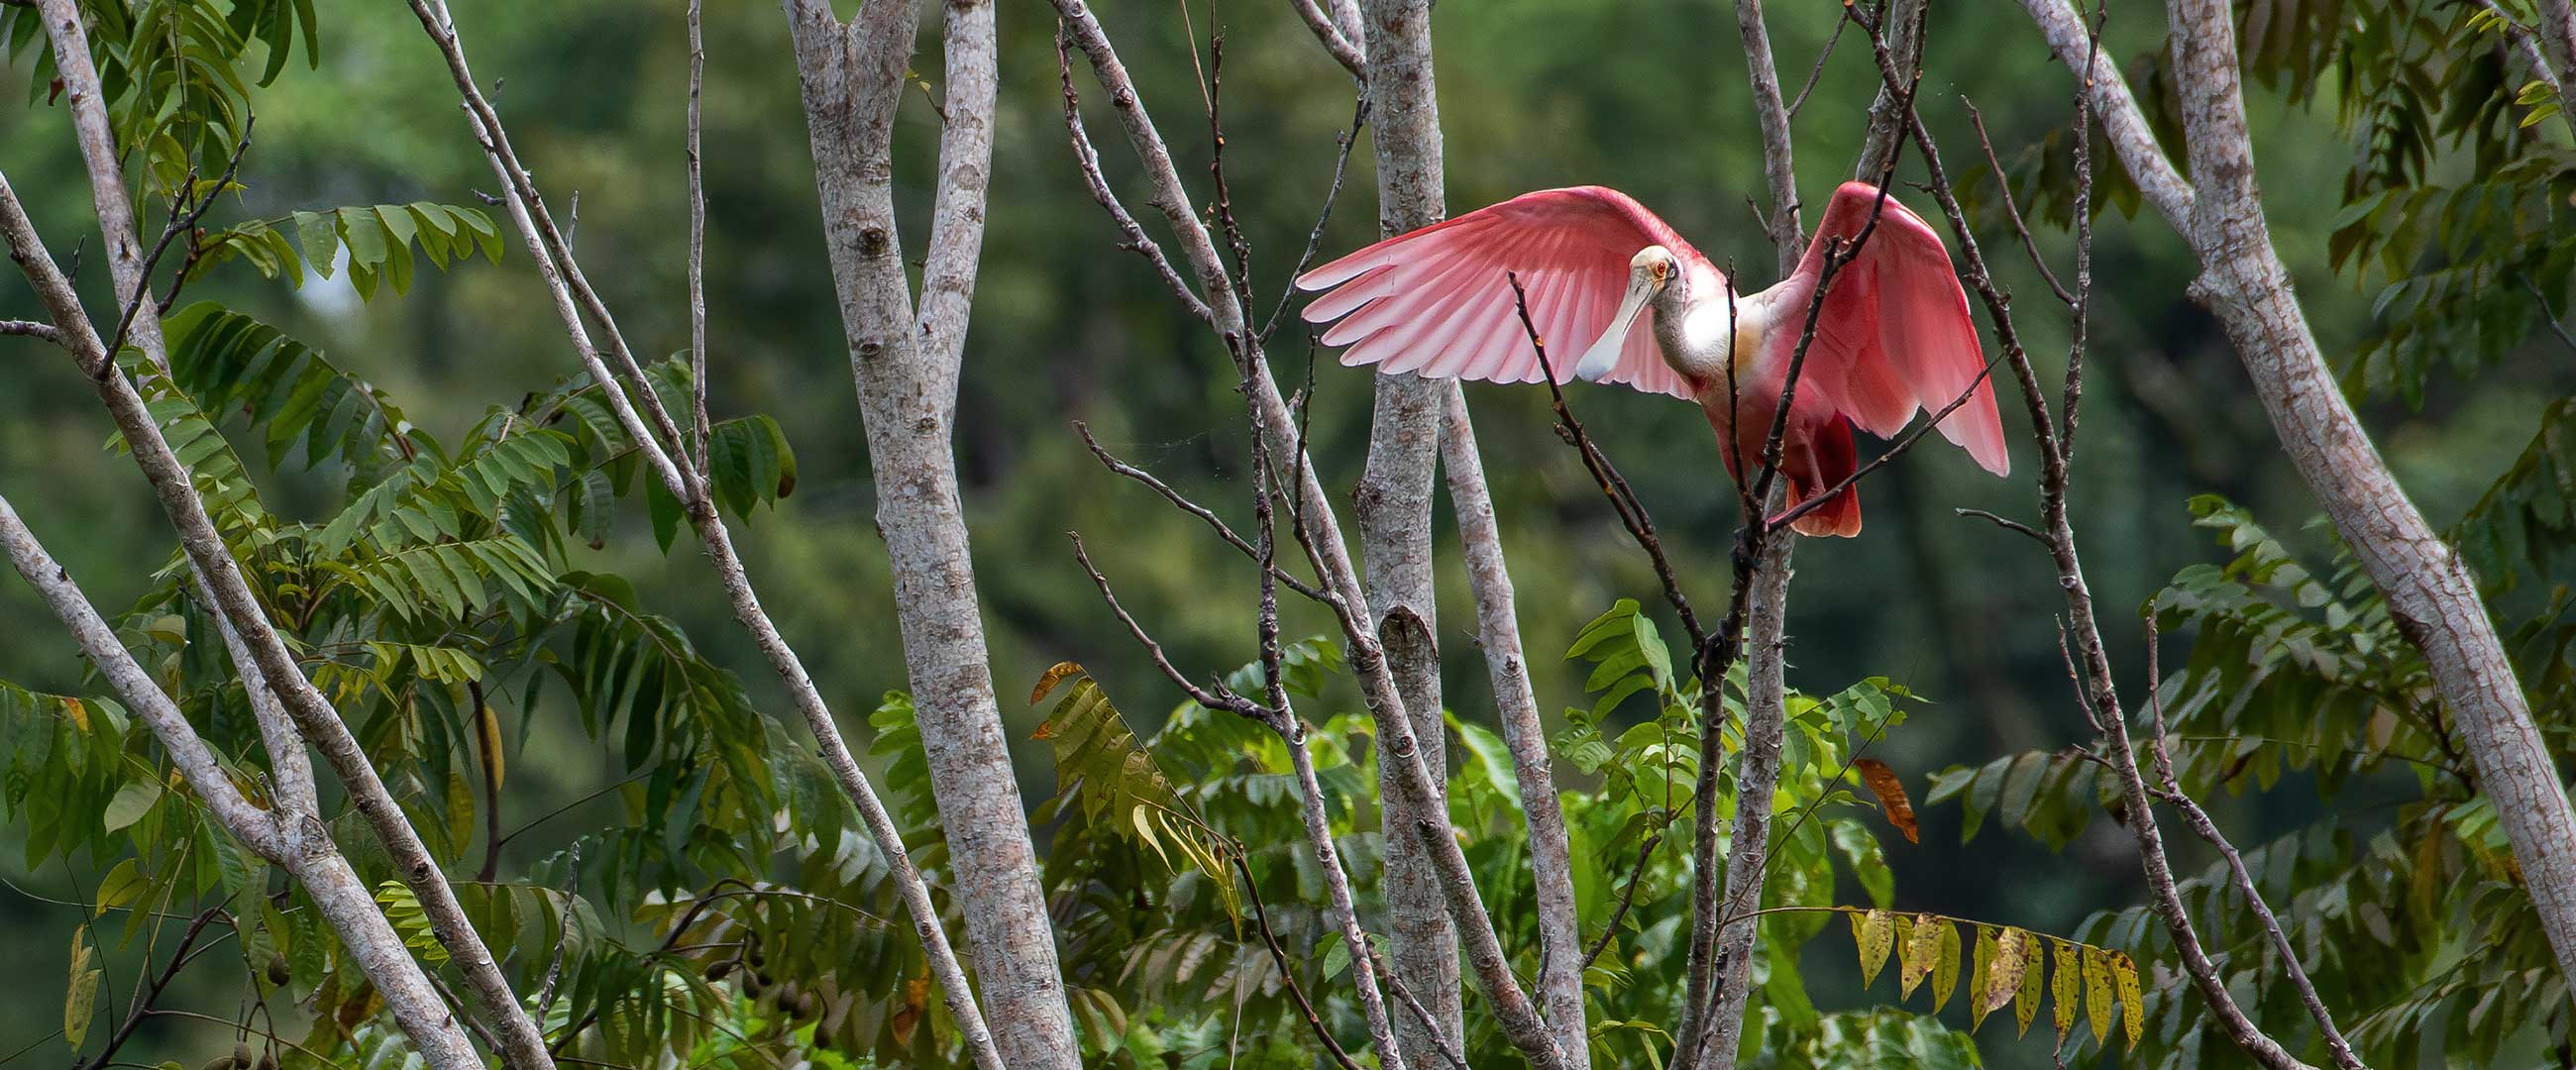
pixel 2243 282
pixel 907 372
pixel 662 444
pixel 1393 507
pixel 1728 956
pixel 1498 631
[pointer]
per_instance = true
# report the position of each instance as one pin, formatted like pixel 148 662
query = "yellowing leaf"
pixel 1945 971
pixel 1982 979
pixel 2068 987
pixel 1922 951
pixel 1054 675
pixel 2124 976
pixel 1874 933
pixel 2005 976
pixel 1884 783
pixel 2034 964
pixel 487 736
pixel 80 1000
pixel 2097 993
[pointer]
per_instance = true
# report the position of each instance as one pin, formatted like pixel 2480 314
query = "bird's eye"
pixel 1662 269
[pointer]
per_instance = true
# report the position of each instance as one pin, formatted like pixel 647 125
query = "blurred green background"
pixel 1648 96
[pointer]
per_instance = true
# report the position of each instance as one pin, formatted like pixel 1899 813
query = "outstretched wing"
pixel 1436 302
pixel 1895 335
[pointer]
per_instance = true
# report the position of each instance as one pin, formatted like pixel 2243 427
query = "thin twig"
pixel 1184 504
pixel 1421 1013
pixel 1087 160
pixel 178 224
pixel 697 246
pixel 1288 971
pixel 1332 194
pixel 1213 700
pixel 1623 498
pixel 1627 898
pixel 2012 209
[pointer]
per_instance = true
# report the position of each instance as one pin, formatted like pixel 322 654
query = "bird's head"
pixel 1654 277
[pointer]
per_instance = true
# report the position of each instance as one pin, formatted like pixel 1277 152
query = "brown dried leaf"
pixel 1046 683
pixel 1884 783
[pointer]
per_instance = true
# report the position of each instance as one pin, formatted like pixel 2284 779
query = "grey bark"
pixel 2243 282
pixel 686 481
pixel 1393 507
pixel 1489 578
pixel 1726 947
pixel 906 371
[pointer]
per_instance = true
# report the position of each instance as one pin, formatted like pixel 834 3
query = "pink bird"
pixel 1894 335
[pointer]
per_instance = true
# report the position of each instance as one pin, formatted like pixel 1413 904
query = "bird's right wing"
pixel 1435 301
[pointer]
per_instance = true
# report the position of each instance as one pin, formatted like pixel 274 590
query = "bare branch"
pixel 1214 700
pixel 1288 971
pixel 42 332
pixel 697 247
pixel 2173 794
pixel 1087 159
pixel 1330 36
pixel 1184 504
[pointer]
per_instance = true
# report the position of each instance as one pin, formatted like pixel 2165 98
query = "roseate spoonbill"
pixel 1893 336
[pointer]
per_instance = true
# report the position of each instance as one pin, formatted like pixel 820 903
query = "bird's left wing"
pixel 1435 301
pixel 1894 335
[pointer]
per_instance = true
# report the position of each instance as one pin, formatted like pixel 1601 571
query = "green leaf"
pixel 123 884
pixel 1491 755
pixel 129 805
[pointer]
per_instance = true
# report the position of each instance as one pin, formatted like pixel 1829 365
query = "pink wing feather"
pixel 1895 334
pixel 1435 301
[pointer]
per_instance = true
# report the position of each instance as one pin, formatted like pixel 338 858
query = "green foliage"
pixel 378 238
pixel 1103 769
pixel 2416 922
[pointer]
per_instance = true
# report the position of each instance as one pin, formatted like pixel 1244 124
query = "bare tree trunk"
pixel 1725 951
pixel 1498 631
pixel 2244 283
pixel 1757 778
pixel 907 371
pixel 664 446
pixel 1393 507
